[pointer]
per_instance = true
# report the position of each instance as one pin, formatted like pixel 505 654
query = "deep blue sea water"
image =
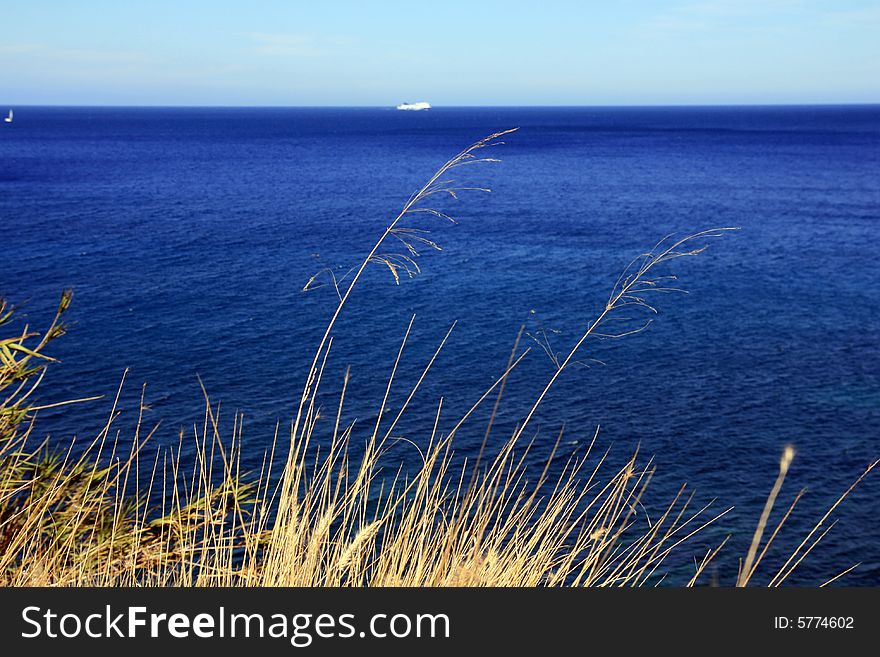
pixel 187 235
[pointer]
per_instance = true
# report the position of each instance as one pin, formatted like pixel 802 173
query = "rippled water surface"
pixel 188 234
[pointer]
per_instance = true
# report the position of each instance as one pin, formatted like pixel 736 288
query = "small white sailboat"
pixel 8 119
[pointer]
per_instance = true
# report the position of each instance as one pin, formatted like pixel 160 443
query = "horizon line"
pixel 510 106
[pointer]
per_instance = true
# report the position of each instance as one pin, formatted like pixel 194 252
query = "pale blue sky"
pixel 326 52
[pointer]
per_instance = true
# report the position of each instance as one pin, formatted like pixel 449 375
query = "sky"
pixel 348 53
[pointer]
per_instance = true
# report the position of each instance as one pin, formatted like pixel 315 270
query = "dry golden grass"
pixel 322 510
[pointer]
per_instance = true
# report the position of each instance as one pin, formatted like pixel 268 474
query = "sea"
pixel 188 235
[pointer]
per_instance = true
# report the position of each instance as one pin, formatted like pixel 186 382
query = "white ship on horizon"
pixel 421 105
